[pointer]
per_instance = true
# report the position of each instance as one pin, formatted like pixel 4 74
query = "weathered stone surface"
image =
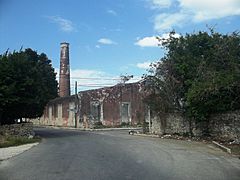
pixel 169 124
pixel 111 106
pixel 176 123
pixel 23 130
pixel 58 112
pixel 156 125
pixel 224 126
pixel 64 80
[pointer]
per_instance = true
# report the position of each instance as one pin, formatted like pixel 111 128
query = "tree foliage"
pixel 27 83
pixel 199 75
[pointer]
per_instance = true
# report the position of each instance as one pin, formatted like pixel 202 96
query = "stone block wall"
pixel 156 126
pixel 225 126
pixel 23 130
pixel 176 124
pixel 173 123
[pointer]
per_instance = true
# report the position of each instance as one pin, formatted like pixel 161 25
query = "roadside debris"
pixel 231 146
pixel 132 132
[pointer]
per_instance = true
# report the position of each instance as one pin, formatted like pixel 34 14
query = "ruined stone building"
pixel 113 105
pixel 110 106
pixel 123 104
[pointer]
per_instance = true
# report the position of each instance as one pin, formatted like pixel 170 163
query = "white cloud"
pixel 112 12
pixel 166 36
pixel 210 9
pixel 192 11
pixel 134 79
pixel 152 41
pixel 90 79
pixel 166 21
pixel 144 65
pixel 148 42
pixel 98 46
pixel 155 4
pixel 86 73
pixel 93 79
pixel 64 24
pixel 106 41
pixel 82 74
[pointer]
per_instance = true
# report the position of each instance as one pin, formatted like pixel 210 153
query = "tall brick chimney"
pixel 64 79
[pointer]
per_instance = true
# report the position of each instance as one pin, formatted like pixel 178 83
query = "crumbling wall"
pixel 17 130
pixel 176 124
pixel 58 112
pixel 226 125
pixel 111 100
pixel 222 126
pixel 169 123
pixel 156 126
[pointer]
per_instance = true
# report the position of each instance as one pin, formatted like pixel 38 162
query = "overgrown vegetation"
pixel 27 83
pixel 199 75
pixel 16 141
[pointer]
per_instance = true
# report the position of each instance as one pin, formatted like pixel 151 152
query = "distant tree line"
pixel 198 76
pixel 27 83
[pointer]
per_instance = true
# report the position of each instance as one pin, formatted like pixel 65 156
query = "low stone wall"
pixel 176 123
pixel 23 130
pixel 169 124
pixel 156 127
pixel 224 126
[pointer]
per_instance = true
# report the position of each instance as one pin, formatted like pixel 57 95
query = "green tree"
pixel 27 83
pixel 199 75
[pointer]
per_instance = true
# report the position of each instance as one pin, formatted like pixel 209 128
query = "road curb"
pixel 228 150
pixel 9 152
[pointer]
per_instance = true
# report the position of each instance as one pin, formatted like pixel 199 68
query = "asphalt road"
pixel 68 154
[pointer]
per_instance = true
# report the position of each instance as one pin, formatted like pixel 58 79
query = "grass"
pixel 235 148
pixel 16 141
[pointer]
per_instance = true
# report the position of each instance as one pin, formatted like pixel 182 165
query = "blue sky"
pixel 108 38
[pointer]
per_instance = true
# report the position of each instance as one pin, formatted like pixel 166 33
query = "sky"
pixel 108 38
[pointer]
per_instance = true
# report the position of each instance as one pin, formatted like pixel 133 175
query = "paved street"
pixel 69 154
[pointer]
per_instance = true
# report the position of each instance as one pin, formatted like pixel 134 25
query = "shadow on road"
pixel 56 133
